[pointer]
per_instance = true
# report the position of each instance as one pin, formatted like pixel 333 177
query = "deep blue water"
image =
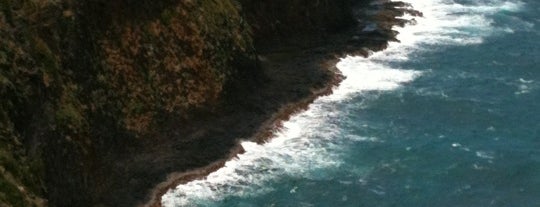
pixel 449 118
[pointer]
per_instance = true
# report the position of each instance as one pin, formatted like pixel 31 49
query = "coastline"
pixel 322 57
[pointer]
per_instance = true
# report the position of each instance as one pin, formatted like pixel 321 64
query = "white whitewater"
pixel 307 141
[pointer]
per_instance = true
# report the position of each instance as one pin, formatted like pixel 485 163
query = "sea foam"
pixel 310 140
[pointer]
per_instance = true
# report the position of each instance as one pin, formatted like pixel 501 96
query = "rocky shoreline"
pixel 103 100
pixel 284 68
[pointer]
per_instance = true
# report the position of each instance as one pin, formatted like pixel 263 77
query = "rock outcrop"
pixel 100 100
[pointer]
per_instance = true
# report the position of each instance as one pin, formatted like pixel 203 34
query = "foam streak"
pixel 307 141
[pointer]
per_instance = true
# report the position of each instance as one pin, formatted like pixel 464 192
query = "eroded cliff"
pixel 93 92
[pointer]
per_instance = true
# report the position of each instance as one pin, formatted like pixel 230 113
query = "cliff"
pixel 102 99
pixel 298 23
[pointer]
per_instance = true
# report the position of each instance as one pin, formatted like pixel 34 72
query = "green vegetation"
pixel 133 72
pixel 177 61
pixel 76 76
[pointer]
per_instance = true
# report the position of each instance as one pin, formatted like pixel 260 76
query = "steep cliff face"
pixel 298 21
pixel 78 75
pixel 82 81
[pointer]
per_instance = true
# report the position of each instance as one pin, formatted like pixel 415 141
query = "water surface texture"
pixel 448 117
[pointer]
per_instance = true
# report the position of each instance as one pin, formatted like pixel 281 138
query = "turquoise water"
pixel 448 117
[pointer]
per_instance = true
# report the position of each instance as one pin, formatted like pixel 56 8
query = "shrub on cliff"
pixel 81 79
pixel 74 74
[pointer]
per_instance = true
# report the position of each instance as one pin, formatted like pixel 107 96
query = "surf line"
pixel 385 14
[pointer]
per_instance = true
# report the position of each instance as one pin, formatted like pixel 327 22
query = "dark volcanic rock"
pixel 103 100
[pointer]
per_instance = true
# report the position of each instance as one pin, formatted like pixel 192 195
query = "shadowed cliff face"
pixel 298 22
pixel 78 79
pixel 88 86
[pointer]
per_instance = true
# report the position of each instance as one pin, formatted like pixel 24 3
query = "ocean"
pixel 449 116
